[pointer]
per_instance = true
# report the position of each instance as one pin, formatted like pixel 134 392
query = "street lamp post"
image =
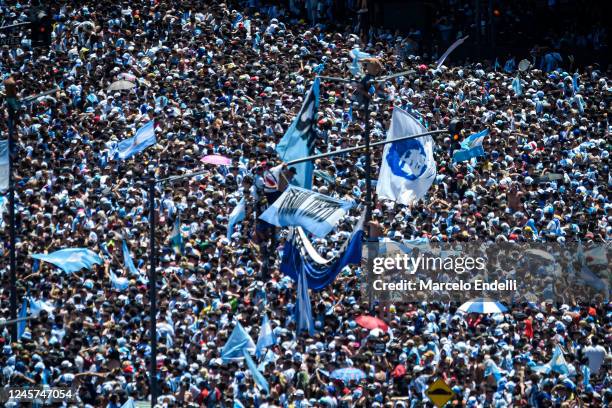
pixel 153 289
pixel 11 182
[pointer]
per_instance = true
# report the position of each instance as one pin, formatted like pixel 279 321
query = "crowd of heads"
pixel 215 84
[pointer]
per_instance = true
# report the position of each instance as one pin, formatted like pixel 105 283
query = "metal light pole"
pixel 11 104
pixel 368 163
pixel 153 289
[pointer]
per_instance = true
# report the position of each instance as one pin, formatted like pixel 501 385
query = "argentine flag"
pixel 408 168
pixel 4 165
pixel 71 259
pixel 145 137
pixel 471 147
pixel 266 336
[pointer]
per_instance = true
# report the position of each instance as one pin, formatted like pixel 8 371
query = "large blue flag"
pixel 471 147
pixel 318 276
pixel 238 340
pixel 4 165
pixel 237 215
pixel 266 336
pixel 23 313
pixel 557 362
pixel 145 137
pixel 257 376
pixel 303 309
pixel 71 259
pixel 299 140
pixel 408 168
pixel 316 213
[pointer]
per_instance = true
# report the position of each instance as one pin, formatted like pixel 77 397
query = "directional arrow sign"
pixel 439 393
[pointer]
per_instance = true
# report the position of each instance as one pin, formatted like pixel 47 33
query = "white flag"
pixel 4 165
pixel 408 168
pixel 316 213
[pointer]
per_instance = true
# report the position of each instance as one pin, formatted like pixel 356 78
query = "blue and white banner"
pixel 471 147
pixel 316 213
pixel 71 259
pixel 145 137
pixel 4 165
pixel 299 140
pixel 320 274
pixel 408 168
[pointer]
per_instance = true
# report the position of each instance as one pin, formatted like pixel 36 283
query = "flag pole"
pixel 352 149
pixel 368 163
pixel 12 104
pixel 153 290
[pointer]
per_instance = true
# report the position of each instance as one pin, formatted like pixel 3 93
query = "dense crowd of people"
pixel 227 80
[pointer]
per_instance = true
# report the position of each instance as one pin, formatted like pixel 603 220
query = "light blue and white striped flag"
pixel 471 147
pixel 37 305
pixel 120 283
pixel 257 376
pixel 71 260
pixel 237 341
pixel 145 137
pixel 266 336
pixel 408 168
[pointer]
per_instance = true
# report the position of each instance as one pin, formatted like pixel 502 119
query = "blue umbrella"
pixel 348 374
pixel 482 305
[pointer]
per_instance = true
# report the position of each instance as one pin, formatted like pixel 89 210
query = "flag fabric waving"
pixel 320 275
pixel 71 259
pixel 316 213
pixel 237 215
pixel 238 340
pixel 266 336
pixel 303 309
pixel 299 140
pixel 257 376
pixel 119 283
pixel 408 167
pixel 449 50
pixel 4 165
pixel 145 137
pixel 23 313
pixel 471 147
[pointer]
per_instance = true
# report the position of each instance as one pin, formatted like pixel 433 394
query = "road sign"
pixel 439 393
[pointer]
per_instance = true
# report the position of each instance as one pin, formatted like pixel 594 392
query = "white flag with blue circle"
pixel 408 168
